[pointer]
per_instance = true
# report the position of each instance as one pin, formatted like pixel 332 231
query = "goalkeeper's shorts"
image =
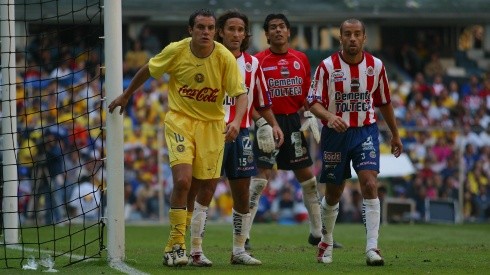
pixel 294 152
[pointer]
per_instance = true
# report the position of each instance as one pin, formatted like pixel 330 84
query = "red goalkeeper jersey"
pixel 288 78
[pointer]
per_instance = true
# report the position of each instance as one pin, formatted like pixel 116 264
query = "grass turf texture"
pixel 407 249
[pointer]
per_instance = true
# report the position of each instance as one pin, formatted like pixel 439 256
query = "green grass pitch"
pixel 407 249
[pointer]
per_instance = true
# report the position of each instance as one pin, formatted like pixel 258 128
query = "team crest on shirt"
pixel 199 78
pixel 296 65
pixel 248 67
pixel 180 148
pixel 370 71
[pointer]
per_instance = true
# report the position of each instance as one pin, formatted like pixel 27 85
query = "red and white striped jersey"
pixel 351 91
pixel 288 78
pixel 255 82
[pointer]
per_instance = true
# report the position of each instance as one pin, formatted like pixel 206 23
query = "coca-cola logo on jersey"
pixel 205 94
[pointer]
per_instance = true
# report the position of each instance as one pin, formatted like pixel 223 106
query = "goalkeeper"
pixel 287 72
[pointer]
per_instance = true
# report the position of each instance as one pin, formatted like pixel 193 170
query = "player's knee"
pixel 369 189
pixel 257 185
pixel 309 185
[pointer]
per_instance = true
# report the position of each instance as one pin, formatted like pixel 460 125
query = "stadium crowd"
pixel 444 123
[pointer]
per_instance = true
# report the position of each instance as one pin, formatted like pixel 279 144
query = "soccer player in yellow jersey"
pixel 201 73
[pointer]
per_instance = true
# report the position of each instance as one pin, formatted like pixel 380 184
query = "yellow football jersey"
pixel 197 86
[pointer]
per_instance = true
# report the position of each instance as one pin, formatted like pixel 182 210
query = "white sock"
pixel 241 227
pixel 312 204
pixel 198 226
pixel 371 217
pixel 257 185
pixel 329 215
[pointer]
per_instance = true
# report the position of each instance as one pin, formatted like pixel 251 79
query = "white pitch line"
pixel 74 256
pixel 123 267
pixel 119 266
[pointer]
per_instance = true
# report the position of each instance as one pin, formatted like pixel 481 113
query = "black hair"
pixel 202 12
pixel 353 21
pixel 273 16
pixel 221 21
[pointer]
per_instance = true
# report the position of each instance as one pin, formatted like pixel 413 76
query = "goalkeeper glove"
pixel 265 137
pixel 311 123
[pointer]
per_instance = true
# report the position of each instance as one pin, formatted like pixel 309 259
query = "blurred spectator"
pixel 470 156
pixel 407 58
pixel 454 90
pixel 150 41
pixel 473 84
pixel 434 66
pixel 147 196
pixel 85 200
pixel 135 58
pixel 437 85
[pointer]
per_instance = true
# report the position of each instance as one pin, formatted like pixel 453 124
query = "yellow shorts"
pixel 195 142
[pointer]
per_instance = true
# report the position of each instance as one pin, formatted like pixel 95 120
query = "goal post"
pixel 114 130
pixel 9 123
pixel 53 148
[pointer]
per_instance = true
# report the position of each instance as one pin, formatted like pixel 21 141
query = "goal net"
pixel 52 176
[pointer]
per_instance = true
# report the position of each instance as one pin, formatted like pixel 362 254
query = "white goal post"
pixel 114 130
pixel 9 123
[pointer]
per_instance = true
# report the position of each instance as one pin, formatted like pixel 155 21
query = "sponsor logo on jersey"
pixel 265 69
pixel 352 102
pixel 337 73
pixel 205 94
pixel 283 62
pixel 332 157
pixel 284 71
pixel 354 85
pixel 285 87
pixel 368 145
pixel 337 76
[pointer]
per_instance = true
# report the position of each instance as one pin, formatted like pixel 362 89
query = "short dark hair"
pixel 273 16
pixel 353 21
pixel 202 12
pixel 220 25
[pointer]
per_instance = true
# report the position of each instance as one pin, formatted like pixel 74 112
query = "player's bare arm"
pixel 335 122
pixel 389 116
pixel 122 100
pixel 233 128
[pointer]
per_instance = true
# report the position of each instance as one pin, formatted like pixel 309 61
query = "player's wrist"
pixel 307 114
pixel 261 122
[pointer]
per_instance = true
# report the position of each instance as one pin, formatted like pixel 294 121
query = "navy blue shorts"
pixel 359 145
pixel 238 158
pixel 294 153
